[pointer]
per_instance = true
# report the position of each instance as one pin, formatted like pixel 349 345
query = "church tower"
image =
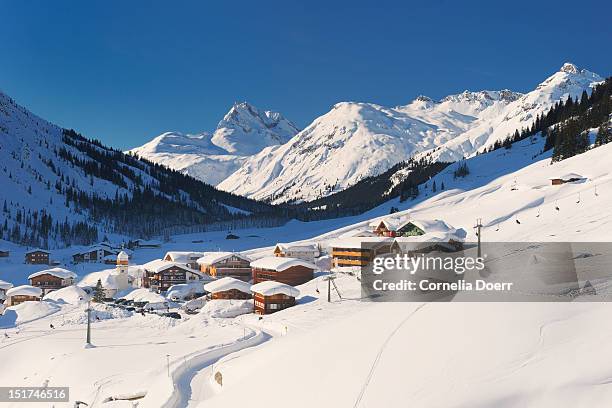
pixel 121 276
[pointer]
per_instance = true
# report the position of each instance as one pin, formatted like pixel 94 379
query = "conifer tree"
pixel 98 292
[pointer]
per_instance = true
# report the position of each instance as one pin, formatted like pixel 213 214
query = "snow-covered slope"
pixel 352 352
pixel 49 175
pixel 242 132
pixel 356 140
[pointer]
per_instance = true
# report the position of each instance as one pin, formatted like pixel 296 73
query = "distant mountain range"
pixel 212 157
pixel 356 140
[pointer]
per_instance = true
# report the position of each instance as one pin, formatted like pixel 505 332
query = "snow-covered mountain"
pixel 57 187
pixel 521 113
pixel 243 131
pixel 357 140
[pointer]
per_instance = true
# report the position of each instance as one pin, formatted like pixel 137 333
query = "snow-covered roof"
pixel 107 277
pixel 390 223
pixel 183 257
pixel 147 242
pixel 227 283
pixel 57 272
pixel 434 231
pixel 301 247
pixel 568 176
pixel 279 263
pixel 210 258
pixel 123 256
pixel 159 265
pixel 183 290
pixel 358 233
pixel 5 285
pixel 144 295
pixel 269 288
pixel 24 290
pixel 37 250
pixel 70 294
pixel 98 247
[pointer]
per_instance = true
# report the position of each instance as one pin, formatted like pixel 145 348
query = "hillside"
pixel 357 140
pixel 212 157
pixel 500 351
pixel 566 130
pixel 59 188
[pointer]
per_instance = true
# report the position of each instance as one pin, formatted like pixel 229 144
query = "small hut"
pixel 271 296
pixel 566 178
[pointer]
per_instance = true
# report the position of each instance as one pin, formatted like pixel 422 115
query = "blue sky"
pixel 125 71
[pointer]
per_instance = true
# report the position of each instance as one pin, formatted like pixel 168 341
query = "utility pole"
pixel 168 363
pixel 478 228
pixel 89 322
pixel 330 281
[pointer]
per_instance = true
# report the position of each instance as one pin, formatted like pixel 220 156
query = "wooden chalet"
pixel 384 228
pixel 223 264
pixel 307 252
pixel 291 271
pixel 358 251
pixel 4 253
pixel 52 279
pixel 94 254
pixel 270 296
pixel 37 257
pixel 160 275
pixel 228 288
pixel 23 293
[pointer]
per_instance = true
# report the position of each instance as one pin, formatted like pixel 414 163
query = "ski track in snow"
pixel 183 377
pixel 364 387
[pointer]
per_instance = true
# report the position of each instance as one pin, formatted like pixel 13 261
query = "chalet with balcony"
pixel 37 257
pixel 23 293
pixel 290 271
pixel 160 275
pixel 306 251
pixel 224 264
pixel 52 279
pixel 358 251
pixel 228 288
pixel 270 296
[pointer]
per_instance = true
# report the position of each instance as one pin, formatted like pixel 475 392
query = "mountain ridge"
pixel 357 140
